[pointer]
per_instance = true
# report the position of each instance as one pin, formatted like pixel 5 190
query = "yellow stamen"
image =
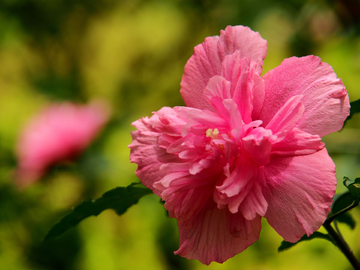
pixel 212 133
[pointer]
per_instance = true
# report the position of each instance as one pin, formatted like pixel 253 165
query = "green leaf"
pixel 355 108
pixel 344 202
pixel 286 245
pixel 119 199
pixel 353 187
pixel 347 219
pixel 340 202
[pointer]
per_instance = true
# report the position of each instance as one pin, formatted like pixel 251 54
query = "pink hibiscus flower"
pixel 59 133
pixel 246 146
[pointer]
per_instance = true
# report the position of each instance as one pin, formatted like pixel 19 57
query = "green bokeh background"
pixel 131 54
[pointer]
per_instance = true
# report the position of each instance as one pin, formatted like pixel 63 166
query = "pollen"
pixel 212 133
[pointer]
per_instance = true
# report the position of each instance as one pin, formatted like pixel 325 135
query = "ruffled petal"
pixel 249 43
pixel 207 59
pixel 287 117
pixel 147 153
pixel 297 142
pixel 299 193
pixel 240 72
pixel 254 203
pixel 203 117
pixel 324 96
pixel 240 177
pixel 217 86
pixel 258 96
pixel 257 144
pixel 186 199
pixel 210 239
pixel 240 227
pixel 216 91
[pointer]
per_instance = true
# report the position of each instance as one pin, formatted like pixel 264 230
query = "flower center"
pixel 212 133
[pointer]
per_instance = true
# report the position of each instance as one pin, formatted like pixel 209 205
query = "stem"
pixel 338 231
pixel 341 244
pixel 332 217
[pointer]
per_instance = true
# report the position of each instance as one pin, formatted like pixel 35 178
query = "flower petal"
pixel 240 177
pixel 297 142
pixel 216 91
pixel 59 133
pixel 210 240
pixel 207 60
pixel 299 193
pixel 325 98
pixel 186 199
pixel 287 117
pixel 257 144
pixel 217 86
pixel 254 204
pixel 249 43
pixel 146 152
pixel 247 87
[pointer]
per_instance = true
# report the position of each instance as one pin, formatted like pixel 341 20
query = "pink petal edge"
pixel 324 96
pixel 210 240
pixel 207 59
pixel 299 195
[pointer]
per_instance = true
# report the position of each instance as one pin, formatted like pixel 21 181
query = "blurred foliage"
pixel 131 53
pixel 119 199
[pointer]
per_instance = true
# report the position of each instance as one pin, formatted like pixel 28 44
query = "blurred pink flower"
pixel 246 146
pixel 59 133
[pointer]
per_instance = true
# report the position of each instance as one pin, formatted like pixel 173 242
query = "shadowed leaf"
pixel 340 202
pixel 354 188
pixel 347 219
pixel 355 108
pixel 286 245
pixel 119 199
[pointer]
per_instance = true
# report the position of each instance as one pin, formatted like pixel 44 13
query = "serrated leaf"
pixel 286 245
pixel 340 202
pixel 119 199
pixel 354 108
